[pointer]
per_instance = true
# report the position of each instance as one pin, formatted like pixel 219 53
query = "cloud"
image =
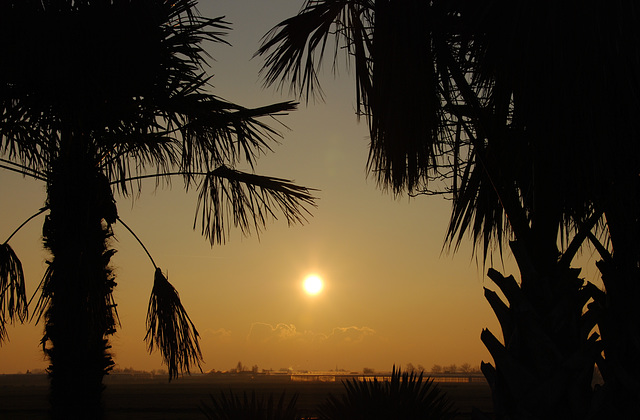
pixel 351 334
pixel 217 336
pixel 261 332
pixel 219 333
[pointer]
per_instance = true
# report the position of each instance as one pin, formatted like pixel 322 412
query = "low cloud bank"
pixel 261 332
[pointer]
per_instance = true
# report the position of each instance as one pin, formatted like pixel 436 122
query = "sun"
pixel 312 284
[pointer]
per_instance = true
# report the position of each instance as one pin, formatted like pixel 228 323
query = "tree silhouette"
pixel 523 114
pixel 96 97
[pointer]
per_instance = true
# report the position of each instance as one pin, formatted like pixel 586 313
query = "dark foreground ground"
pixel 153 398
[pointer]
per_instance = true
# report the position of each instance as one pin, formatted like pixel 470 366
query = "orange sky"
pixel 389 297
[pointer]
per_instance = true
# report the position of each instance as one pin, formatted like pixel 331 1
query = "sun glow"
pixel 312 284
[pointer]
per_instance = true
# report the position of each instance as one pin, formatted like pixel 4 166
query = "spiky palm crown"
pixel 405 395
pixel 229 406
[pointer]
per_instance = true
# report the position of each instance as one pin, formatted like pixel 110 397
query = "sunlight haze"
pixel 391 295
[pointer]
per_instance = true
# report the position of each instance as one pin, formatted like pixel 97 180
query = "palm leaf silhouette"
pixel 231 407
pixel 404 396
pixel 170 329
pixel 13 299
pixel 247 200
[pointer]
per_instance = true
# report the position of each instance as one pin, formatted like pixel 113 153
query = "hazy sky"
pixel 390 296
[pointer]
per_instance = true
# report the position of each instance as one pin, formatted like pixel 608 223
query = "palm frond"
pixel 24 138
pixel 30 218
pixel 248 201
pixel 220 132
pixel 193 132
pixel 579 238
pixel 45 290
pixel 21 169
pixel 139 242
pixel 404 127
pixel 405 395
pixel 13 299
pixel 477 210
pixel 170 329
pixel 231 407
pixel 61 66
pixel 126 157
pixel 298 44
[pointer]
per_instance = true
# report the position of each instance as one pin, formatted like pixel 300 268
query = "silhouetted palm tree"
pixel 96 96
pixel 524 112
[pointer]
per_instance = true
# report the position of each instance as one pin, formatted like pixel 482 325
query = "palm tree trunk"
pixel 620 331
pixel 618 318
pixel 80 315
pixel 544 368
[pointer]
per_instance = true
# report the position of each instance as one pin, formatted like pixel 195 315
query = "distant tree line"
pixel 435 369
pixel 439 369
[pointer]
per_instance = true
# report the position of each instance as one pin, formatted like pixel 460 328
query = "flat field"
pixel 149 397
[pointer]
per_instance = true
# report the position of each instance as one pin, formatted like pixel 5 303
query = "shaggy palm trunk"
pixel 80 315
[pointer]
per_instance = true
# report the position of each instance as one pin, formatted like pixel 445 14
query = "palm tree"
pixel 96 97
pixel 523 114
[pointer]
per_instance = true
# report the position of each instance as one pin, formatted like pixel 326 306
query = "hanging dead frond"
pixel 170 329
pixel 13 300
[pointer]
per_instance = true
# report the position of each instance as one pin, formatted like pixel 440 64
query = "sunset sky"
pixel 390 295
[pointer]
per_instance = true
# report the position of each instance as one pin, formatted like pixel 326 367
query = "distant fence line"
pixel 315 377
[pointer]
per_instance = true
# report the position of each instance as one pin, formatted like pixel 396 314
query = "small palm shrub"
pixel 406 396
pixel 232 407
